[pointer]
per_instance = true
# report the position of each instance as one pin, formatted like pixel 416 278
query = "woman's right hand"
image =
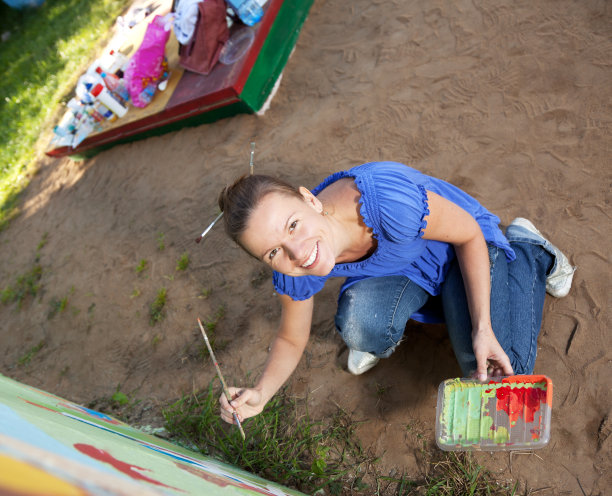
pixel 285 353
pixel 246 403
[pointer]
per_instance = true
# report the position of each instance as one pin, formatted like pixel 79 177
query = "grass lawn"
pixel 45 52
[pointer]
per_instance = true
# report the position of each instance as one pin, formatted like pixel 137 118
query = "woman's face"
pixel 291 235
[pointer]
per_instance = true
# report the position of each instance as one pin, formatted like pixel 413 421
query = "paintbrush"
pixel 201 236
pixel 225 390
pixel 251 160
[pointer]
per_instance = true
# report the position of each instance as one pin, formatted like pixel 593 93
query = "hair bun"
pixel 222 200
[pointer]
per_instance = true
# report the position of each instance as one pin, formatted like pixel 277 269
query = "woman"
pixel 399 237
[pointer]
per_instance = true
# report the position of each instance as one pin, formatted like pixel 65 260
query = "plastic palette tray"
pixel 506 413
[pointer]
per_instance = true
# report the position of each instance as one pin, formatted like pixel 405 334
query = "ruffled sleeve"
pixel 400 205
pixel 298 288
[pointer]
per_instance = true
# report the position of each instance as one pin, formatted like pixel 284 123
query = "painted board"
pixel 52 446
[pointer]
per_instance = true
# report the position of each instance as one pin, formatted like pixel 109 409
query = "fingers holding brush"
pixel 245 402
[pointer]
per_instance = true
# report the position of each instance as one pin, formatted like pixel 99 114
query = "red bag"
pixel 211 32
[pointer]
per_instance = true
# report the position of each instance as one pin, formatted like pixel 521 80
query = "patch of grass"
pixel 210 325
pixel 282 443
pixel 205 293
pixel 27 358
pixel 161 243
pixel 120 398
pixel 460 473
pixel 119 404
pixel 41 244
pixel 57 306
pixel 135 293
pixel 27 284
pixel 183 262
pixel 156 310
pixel 141 266
pixel 48 49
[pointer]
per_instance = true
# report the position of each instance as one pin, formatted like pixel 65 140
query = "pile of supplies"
pixel 114 82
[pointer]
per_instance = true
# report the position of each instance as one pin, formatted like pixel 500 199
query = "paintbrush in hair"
pixel 201 236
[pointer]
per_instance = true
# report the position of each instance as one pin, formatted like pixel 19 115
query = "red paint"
pixel 220 480
pixel 39 406
pixel 520 402
pixel 126 468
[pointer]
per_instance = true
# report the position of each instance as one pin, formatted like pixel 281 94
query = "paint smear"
pixel 520 402
pixel 506 413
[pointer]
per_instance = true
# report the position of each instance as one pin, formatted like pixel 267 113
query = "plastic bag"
pixel 147 65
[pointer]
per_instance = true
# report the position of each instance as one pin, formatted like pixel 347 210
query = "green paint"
pixel 40 421
pixel 500 435
pixel 469 416
pixel 464 414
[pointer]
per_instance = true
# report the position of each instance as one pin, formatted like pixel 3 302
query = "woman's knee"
pixel 357 327
pixel 372 314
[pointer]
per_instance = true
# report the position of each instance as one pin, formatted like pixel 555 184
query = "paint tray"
pixel 506 413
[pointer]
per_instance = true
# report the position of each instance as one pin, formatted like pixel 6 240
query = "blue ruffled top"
pixel 394 205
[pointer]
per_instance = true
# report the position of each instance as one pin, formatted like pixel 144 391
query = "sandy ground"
pixel 510 100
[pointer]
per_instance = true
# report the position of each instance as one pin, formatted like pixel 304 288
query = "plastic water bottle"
pixel 115 85
pixel 147 94
pixel 249 11
pixel 105 97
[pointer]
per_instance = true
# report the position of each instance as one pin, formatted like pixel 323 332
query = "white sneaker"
pixel 559 281
pixel 361 361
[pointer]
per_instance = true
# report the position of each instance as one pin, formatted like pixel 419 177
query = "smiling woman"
pixel 400 238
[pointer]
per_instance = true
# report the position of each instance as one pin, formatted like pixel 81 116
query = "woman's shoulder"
pixel 387 169
pixel 391 198
pixel 389 186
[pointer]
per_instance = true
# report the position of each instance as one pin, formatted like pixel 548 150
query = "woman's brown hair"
pixel 238 200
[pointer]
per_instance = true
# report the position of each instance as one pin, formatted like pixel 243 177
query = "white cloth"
pixel 185 19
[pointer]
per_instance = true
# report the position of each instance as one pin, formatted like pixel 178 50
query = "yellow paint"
pixel 22 478
pixel 500 435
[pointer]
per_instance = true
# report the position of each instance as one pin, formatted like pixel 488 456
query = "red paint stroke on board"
pixel 36 404
pixel 126 468
pixel 520 402
pixel 221 481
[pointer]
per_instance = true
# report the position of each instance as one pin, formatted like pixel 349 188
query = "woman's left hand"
pixel 489 355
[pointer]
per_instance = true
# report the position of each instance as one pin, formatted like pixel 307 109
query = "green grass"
pixel 48 49
pixel 57 306
pixel 142 265
pixel 27 357
pixel 283 444
pixel 156 310
pixel 25 285
pixel 161 241
pixel 460 473
pixel 210 325
pixel 183 262
pixel 120 405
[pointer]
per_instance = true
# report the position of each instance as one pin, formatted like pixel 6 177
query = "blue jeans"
pixel 372 313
